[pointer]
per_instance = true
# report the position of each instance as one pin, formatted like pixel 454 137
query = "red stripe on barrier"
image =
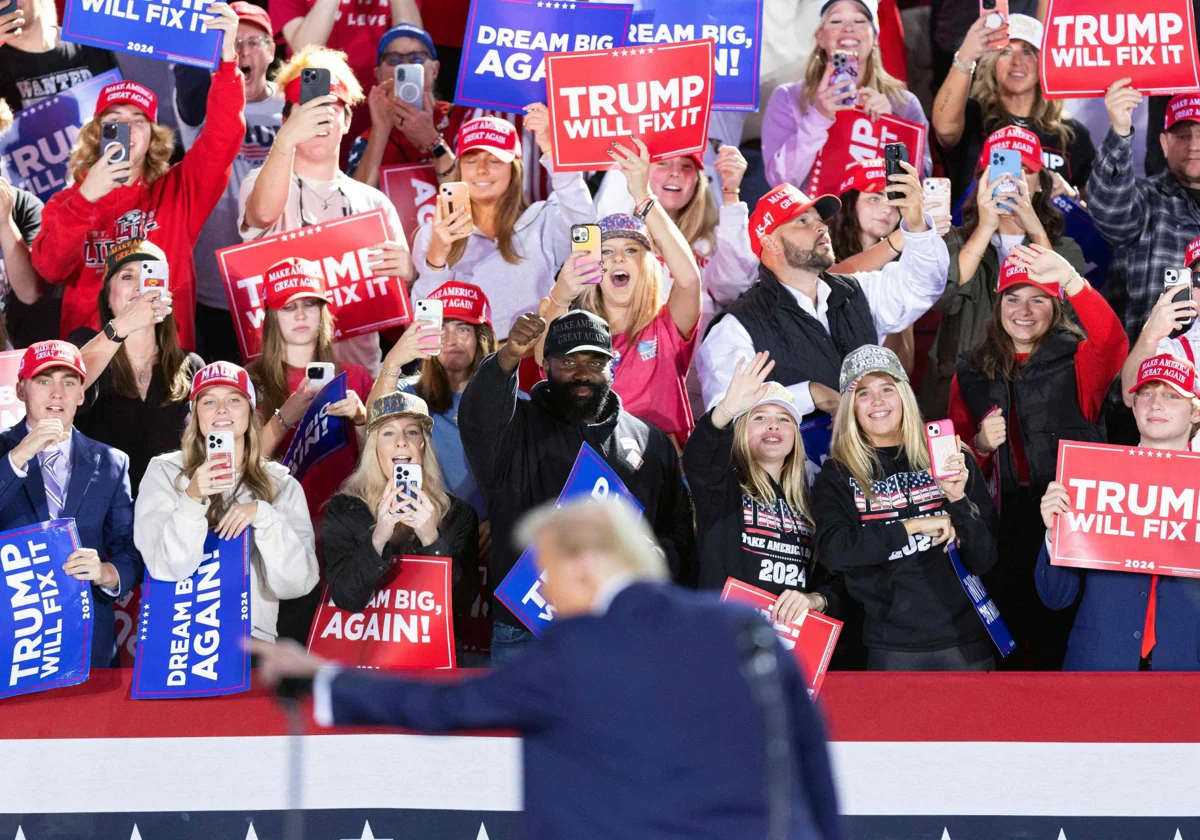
pixel 1023 707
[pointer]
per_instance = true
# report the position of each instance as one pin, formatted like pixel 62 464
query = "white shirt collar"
pixel 609 590
pixel 805 301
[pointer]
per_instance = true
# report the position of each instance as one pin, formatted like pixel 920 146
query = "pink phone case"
pixel 942 443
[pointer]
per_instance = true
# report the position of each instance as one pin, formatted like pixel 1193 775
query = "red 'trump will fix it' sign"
pixel 1089 44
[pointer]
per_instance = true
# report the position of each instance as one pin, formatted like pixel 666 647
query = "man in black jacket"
pixel 522 451
pixel 809 319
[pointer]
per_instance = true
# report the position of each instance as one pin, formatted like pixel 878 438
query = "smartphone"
pixel 845 69
pixel 314 83
pixel 585 239
pixel 997 15
pixel 410 84
pixel 220 448
pixel 115 134
pixel 1004 162
pixel 155 275
pixel 431 311
pixel 319 374
pixel 407 476
pixel 8 7
pixel 937 196
pixel 1182 279
pixel 453 195
pixel 893 153
pixel 942 443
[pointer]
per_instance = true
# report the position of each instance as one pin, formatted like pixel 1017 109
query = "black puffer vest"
pixel 1047 407
pixel 800 347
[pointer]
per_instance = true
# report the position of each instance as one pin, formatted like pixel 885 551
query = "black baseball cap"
pixel 578 332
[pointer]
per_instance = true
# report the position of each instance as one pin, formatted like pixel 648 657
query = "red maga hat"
pixel 783 204
pixel 291 279
pixel 1017 139
pixel 49 354
pixel 463 301
pixel 223 373
pixel 1177 373
pixel 128 93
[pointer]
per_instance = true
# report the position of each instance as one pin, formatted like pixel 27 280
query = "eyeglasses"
pixel 392 59
pixel 253 43
pixel 595 365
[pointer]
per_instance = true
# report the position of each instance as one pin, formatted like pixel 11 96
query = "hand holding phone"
pixel 430 310
pixel 585 239
pixel 942 444
pixel 1004 162
pixel 407 478
pixel 893 154
pixel 937 201
pixel 410 84
pixel 454 196
pixel 1182 280
pixel 845 71
pixel 995 14
pixel 219 450
pixel 115 135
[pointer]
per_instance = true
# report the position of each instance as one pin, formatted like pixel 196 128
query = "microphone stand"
pixel 756 642
pixel 288 693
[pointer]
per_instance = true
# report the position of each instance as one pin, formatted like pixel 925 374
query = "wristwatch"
pixel 440 149
pixel 110 332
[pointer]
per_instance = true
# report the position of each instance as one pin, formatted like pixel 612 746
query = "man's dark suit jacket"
pixel 98 500
pixel 637 724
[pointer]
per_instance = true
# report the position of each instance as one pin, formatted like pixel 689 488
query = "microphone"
pixel 757 645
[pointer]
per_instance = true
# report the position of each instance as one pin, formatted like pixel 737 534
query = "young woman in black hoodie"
pixel 885 523
pixel 369 524
pixel 745 465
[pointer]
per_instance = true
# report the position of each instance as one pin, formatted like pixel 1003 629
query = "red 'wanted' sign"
pixel 661 94
pixel 1089 44
pixel 1133 509
pixel 361 302
pixel 811 639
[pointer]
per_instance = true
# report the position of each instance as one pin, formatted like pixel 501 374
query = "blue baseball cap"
pixel 405 30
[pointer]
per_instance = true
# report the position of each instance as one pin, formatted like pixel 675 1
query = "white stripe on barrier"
pixel 484 773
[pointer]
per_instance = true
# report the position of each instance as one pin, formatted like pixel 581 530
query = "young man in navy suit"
pixel 1129 621
pixel 637 714
pixel 49 470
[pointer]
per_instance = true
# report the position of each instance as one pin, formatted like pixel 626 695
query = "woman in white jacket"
pixel 184 495
pixel 509 248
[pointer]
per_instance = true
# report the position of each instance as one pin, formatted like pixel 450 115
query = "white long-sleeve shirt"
pixel 169 529
pixel 542 237
pixel 898 294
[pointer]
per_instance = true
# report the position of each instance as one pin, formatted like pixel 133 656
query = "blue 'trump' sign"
pixel 502 63
pixel 45 614
pixel 520 591
pixel 734 25
pixel 169 30
pixel 318 434
pixel 192 633
pixel 36 148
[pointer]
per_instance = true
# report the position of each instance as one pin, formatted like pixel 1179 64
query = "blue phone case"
pixel 1004 162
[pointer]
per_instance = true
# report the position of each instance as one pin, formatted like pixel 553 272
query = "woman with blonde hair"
pixel 653 343
pixel 745 466
pixel 498 240
pixel 798 117
pixel 990 87
pixel 141 196
pixel 300 183
pixel 186 494
pixel 885 523
pixel 372 522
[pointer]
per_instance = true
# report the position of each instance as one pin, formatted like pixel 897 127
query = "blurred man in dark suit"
pixel 646 710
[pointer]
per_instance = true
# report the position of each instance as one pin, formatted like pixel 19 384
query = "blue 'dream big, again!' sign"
pixel 318 434
pixel 736 29
pixel 45 614
pixel 520 591
pixel 503 59
pixel 36 148
pixel 193 633
pixel 169 30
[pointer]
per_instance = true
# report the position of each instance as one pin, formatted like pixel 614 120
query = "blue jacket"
pixel 97 499
pixel 636 723
pixel 1107 635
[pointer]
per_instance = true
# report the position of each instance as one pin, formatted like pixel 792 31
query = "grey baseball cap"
pixel 870 358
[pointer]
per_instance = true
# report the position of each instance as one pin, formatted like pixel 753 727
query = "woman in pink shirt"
pixel 653 344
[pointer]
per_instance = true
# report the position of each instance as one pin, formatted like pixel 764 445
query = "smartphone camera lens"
pixel 579 236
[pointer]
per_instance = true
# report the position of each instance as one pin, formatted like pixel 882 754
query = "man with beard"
pixel 809 319
pixel 522 451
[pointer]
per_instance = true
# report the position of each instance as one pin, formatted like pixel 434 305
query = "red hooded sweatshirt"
pixel 76 233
